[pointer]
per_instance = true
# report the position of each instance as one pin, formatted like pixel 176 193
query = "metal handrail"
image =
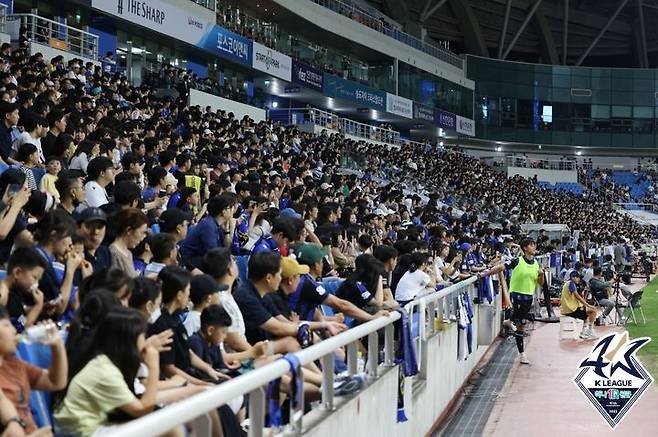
pixel 58 35
pixel 346 126
pixel 548 164
pixel 376 24
pixel 186 410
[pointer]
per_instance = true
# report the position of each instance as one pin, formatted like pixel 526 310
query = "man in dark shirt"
pixel 93 224
pixel 57 123
pixel 260 324
pixel 277 302
pixel 8 119
pixel 310 293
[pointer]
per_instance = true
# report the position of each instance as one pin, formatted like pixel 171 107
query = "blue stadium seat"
pixel 39 355
pixel 242 262
pixel 38 174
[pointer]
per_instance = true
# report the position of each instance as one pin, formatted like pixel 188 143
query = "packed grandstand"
pixel 154 250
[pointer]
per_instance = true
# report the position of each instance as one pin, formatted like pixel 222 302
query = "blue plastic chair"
pixel 243 267
pixel 38 355
pixel 38 174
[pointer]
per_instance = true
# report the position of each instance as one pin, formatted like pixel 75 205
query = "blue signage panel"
pixel 308 76
pixel 335 86
pixel 228 45
pixel 444 119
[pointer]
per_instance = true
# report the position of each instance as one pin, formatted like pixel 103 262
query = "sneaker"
pixel 524 358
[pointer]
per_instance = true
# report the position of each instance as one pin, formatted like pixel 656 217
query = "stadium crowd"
pixel 179 247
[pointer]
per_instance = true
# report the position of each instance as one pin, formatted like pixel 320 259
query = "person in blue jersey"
pixel 310 292
pixel 214 230
pixel 284 232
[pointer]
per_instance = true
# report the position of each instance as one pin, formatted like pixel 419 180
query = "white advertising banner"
pixel 189 23
pixel 399 106
pixel 465 126
pixel 272 62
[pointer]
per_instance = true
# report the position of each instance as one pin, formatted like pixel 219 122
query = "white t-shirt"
pixel 26 138
pixel 411 284
pixel 231 307
pixel 192 322
pixel 95 195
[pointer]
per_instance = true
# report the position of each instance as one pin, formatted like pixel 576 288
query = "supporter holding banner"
pixel 399 106
pixel 307 76
pixel 272 62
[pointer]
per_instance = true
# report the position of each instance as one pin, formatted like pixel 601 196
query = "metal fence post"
pixel 328 381
pixel 352 358
pixel 373 355
pixel 389 352
pixel 256 412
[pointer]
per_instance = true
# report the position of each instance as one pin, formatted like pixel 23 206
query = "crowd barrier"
pixel 441 373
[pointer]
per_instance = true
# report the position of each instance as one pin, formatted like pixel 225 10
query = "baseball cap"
pixel 290 267
pixel 173 217
pixel 289 212
pixel 202 286
pixel 464 246
pixel 325 186
pixel 91 214
pixel 310 254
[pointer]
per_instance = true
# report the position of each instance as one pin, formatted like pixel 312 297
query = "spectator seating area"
pixel 170 248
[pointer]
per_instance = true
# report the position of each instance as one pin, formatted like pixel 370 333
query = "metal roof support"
pixel 644 57
pixel 470 27
pixel 522 28
pixel 565 33
pixel 503 32
pixel 601 32
pixel 428 12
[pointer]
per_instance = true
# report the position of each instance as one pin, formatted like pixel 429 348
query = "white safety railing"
pixel 632 206
pixel 548 164
pixel 58 35
pixel 255 382
pixel 383 27
pixel 435 310
pixel 327 120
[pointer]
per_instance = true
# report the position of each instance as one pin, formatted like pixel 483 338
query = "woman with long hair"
pixel 419 279
pixel 364 288
pixel 91 401
pixel 86 151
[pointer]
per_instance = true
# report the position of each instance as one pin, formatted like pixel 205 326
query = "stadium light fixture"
pixel 539 147
pixel 275 105
pixel 499 149
pixel 441 143
pixel 578 152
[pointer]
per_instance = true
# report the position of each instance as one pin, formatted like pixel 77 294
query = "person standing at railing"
pixel 526 275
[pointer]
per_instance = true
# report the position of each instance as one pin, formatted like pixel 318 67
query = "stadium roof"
pixel 599 32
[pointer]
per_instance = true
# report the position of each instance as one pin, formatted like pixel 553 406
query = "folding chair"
pixel 632 305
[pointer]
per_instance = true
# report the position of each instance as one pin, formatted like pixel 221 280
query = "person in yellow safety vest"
pixel 526 275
